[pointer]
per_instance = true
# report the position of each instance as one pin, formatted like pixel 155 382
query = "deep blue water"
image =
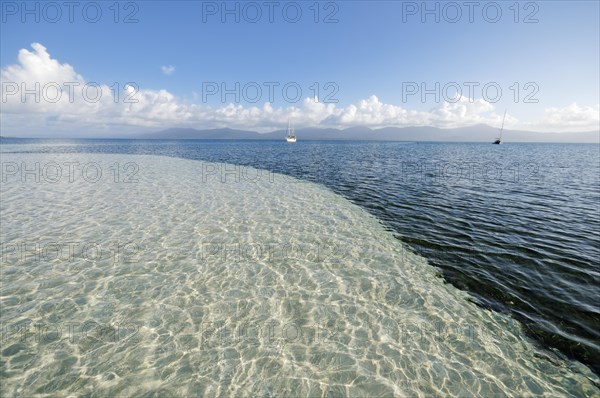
pixel 516 225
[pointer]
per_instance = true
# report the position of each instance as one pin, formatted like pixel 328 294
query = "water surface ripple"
pixel 517 225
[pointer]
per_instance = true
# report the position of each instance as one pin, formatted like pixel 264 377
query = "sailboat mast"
pixel 502 128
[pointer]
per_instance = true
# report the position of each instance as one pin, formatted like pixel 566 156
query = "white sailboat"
pixel 291 133
pixel 499 139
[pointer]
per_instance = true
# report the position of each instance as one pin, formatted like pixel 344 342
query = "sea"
pixel 318 268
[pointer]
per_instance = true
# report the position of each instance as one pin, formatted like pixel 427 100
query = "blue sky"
pixel 370 51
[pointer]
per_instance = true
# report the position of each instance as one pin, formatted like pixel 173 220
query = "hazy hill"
pixel 193 134
pixel 477 133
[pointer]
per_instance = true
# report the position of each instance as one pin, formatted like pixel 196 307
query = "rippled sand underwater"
pixel 170 277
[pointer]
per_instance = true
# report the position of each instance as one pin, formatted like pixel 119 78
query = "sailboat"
pixel 291 133
pixel 499 139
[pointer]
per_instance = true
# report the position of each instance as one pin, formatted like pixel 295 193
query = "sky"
pixel 106 68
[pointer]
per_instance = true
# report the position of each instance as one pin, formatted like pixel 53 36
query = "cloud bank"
pixel 41 93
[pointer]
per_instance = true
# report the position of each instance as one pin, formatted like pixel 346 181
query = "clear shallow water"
pixel 516 225
pixel 313 252
pixel 181 284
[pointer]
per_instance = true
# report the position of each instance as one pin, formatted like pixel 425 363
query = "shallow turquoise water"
pixel 179 283
pixel 515 225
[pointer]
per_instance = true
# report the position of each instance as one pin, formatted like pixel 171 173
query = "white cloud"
pixel 168 70
pixel 570 118
pixel 129 108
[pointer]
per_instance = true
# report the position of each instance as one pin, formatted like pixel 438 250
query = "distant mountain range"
pixel 477 133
